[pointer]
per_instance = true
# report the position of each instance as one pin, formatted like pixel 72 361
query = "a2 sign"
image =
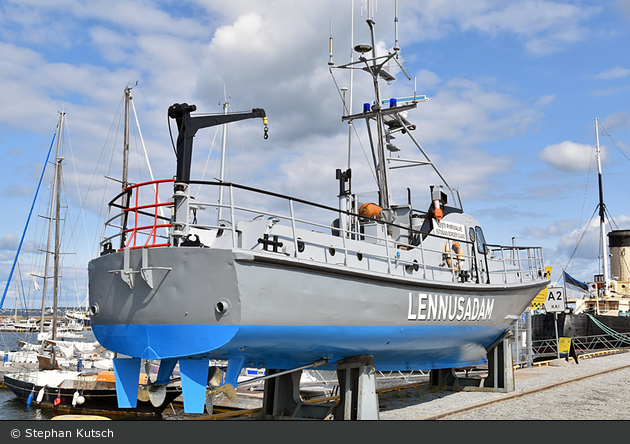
pixel 555 302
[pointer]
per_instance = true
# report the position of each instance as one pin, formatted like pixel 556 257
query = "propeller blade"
pixel 143 394
pixel 157 394
pixel 209 402
pixel 228 390
pixel 215 377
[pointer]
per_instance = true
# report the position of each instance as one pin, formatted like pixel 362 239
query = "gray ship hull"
pixel 282 312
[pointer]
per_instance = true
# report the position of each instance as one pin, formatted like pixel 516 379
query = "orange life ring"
pixel 457 249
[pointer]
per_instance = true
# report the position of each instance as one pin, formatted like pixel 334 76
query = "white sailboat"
pixel 91 387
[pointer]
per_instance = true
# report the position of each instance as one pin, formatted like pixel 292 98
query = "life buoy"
pixel 95 357
pixel 457 249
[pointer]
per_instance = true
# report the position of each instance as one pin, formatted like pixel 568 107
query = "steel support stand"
pixel 500 372
pixel 501 367
pixel 281 399
pixel 358 399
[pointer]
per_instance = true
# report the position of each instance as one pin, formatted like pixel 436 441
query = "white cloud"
pixel 568 156
pixel 545 100
pixel 618 121
pixel 9 242
pixel 614 73
pixel 544 26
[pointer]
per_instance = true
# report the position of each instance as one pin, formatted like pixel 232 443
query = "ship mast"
pixel 55 206
pixel 125 164
pixel 226 105
pixel 602 214
pixel 54 215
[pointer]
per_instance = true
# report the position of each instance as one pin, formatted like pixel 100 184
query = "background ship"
pixel 600 307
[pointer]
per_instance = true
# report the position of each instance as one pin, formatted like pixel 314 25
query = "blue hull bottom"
pixel 283 347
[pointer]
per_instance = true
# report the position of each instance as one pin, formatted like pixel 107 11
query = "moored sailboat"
pixel 54 385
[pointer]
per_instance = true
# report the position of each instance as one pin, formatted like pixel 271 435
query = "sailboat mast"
pixel 51 218
pixel 602 213
pixel 58 160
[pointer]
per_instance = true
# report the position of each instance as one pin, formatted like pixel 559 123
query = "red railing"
pixel 141 211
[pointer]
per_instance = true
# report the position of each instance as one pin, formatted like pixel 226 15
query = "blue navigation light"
pixel 392 103
pixel 366 107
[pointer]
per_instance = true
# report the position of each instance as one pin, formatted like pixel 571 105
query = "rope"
pixel 618 336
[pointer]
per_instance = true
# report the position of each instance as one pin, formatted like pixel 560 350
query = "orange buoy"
pixel 370 210
pixel 437 211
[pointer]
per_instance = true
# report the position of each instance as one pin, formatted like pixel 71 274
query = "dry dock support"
pixel 358 399
pixel 500 376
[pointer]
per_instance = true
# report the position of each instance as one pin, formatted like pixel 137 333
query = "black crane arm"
pixel 188 126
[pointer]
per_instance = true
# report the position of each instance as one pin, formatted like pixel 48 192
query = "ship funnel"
pixel 619 245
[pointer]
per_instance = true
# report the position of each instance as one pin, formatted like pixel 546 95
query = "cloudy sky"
pixel 514 89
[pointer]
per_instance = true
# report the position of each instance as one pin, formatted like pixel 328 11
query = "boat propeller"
pixel 214 388
pixel 150 391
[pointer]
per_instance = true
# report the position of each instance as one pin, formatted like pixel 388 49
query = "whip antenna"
pixel 396 47
pixel 330 44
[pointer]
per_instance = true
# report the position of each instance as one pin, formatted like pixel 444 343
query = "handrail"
pixel 391 253
pixel 135 210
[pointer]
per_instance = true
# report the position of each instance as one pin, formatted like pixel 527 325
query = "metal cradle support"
pixel 500 376
pixel 281 399
pixel 358 399
pixel 501 367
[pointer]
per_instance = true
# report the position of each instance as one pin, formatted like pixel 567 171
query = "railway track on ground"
pixel 452 413
pixel 515 395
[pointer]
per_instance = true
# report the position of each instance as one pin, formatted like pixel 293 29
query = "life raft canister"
pixel 370 210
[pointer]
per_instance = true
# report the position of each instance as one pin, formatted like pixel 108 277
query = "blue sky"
pixel 514 91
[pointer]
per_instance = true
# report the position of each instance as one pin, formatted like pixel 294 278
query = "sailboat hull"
pixel 100 397
pixel 282 312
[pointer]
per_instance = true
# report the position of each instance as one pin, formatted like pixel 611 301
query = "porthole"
pixel 331 251
pixel 94 310
pixel 223 307
pixel 300 246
